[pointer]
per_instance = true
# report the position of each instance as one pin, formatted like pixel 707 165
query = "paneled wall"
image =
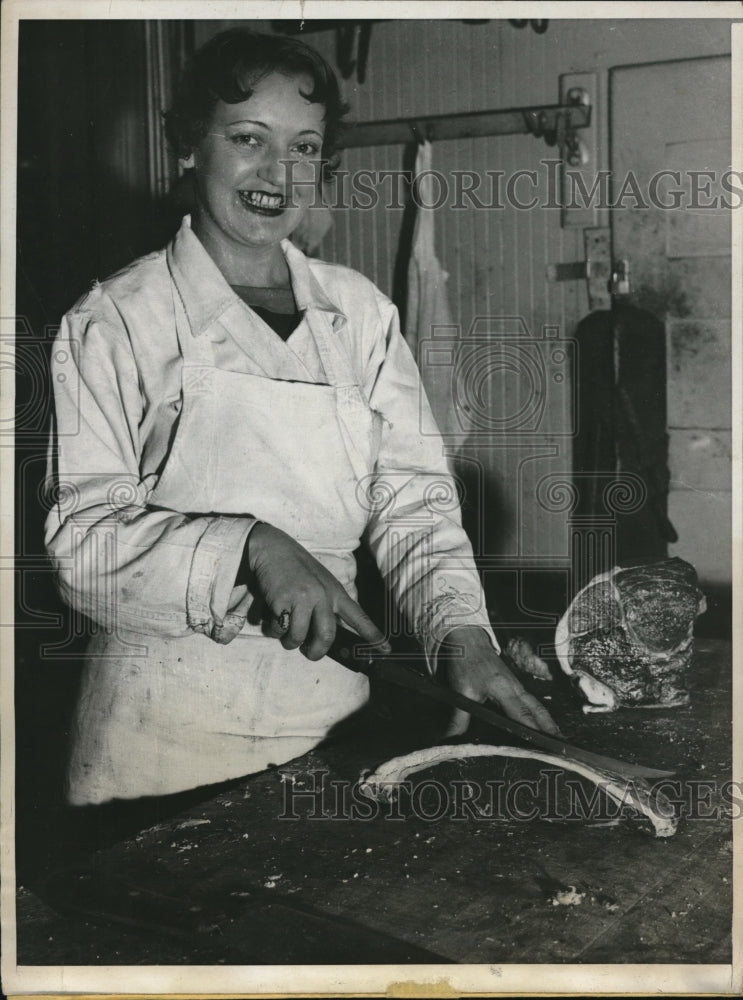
pixel 496 258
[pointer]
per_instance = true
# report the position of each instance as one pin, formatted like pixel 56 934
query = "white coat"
pixel 181 417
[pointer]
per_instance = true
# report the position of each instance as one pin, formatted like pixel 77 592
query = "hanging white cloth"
pixel 428 316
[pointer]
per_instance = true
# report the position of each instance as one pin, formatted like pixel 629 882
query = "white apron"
pixel 188 711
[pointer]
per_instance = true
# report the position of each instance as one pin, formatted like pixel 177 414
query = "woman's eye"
pixel 307 148
pixel 245 139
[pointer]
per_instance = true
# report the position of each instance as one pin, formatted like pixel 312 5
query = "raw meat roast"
pixel 627 638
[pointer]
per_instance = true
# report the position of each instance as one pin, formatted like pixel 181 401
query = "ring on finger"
pixel 282 621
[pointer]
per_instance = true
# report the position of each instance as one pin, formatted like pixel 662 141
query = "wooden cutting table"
pixel 230 881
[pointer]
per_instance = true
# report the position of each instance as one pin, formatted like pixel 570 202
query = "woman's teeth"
pixel 263 201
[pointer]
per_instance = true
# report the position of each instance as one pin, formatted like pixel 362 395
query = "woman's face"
pixel 247 197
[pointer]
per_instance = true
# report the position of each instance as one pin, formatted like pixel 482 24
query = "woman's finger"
pixel 355 616
pixel 299 625
pixel 524 708
pixel 458 724
pixel 460 718
pixel 320 634
pixel 277 625
pixel 518 704
pixel 542 718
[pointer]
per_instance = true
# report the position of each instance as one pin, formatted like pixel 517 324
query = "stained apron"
pixel 160 715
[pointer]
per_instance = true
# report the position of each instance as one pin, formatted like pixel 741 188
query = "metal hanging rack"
pixel 555 123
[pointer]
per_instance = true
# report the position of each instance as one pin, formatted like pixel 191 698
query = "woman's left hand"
pixel 474 669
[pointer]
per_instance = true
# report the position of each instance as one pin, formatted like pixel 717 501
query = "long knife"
pixel 350 651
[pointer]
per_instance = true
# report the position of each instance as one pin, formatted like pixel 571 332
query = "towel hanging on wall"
pixel 428 307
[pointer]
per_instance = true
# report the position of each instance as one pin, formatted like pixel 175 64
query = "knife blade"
pixel 350 651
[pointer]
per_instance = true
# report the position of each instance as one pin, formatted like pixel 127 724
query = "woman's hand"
pixel 288 578
pixel 475 670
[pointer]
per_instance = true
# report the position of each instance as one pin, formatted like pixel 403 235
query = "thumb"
pixel 458 723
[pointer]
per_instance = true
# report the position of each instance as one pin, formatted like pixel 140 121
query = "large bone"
pixel 383 783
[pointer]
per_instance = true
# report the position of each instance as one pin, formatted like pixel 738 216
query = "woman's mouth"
pixel 262 203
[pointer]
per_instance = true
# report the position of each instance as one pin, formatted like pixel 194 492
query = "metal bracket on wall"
pixel 558 125
pixel 579 171
pixel 596 269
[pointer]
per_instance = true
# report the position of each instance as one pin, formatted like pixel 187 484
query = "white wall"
pixel 496 259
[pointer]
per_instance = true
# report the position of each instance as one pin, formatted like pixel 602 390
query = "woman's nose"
pixel 272 169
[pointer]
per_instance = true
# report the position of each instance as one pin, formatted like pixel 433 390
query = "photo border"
pixel 413 980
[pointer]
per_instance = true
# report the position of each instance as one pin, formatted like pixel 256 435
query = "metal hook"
pixel 538 26
pixel 420 132
pixel 362 50
pixel 345 37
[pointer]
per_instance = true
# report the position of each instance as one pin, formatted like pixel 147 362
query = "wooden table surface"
pixel 234 881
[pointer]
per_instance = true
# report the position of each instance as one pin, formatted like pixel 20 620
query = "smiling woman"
pixel 233 418
pixel 261 150
pixel 257 173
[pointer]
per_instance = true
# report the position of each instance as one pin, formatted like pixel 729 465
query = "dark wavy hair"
pixel 229 65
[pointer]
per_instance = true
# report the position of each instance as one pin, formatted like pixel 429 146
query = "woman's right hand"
pixel 288 578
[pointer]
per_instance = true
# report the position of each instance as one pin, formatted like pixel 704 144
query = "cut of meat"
pixel 660 603
pixel 567 783
pixel 627 638
pixel 595 603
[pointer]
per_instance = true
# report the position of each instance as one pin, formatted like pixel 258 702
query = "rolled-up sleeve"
pixel 119 561
pixel 415 531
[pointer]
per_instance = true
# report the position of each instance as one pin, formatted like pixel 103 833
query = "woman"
pixel 236 418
